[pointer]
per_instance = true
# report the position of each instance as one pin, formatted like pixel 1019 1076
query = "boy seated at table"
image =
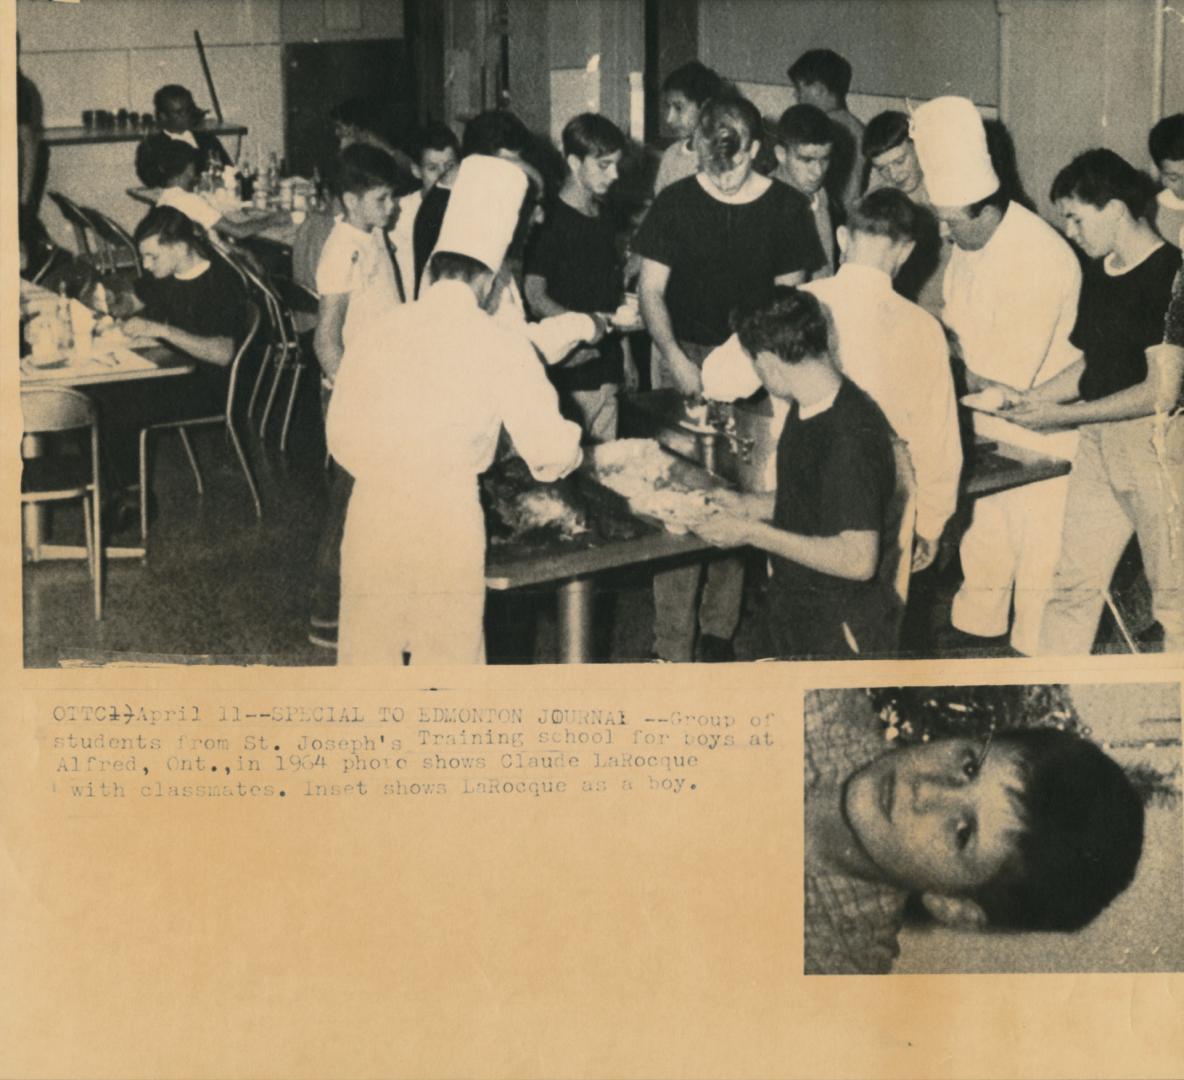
pixel 836 476
pixel 190 301
pixel 171 165
pixel 437 154
pixel 574 266
pixel 358 283
pixel 180 119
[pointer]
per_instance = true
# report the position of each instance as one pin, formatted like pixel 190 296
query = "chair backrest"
pixel 253 320
pixel 113 234
pixel 77 220
pixel 298 305
pixel 56 408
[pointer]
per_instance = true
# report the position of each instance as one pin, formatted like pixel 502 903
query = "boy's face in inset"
pixel 931 821
pixel 433 164
pixel 682 114
pixel 596 173
pixel 373 209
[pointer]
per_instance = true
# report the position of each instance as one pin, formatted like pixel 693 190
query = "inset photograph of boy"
pixel 993 829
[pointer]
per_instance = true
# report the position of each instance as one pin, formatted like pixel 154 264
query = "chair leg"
pixel 192 459
pixel 100 552
pixel 297 373
pixel 94 547
pixel 242 457
pixel 280 366
pixel 143 485
pixel 1120 622
pixel 264 360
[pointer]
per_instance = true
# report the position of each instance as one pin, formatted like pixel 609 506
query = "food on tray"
pixel 521 509
pixel 648 477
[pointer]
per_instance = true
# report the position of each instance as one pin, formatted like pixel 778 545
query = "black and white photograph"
pixel 387 332
pixel 1029 828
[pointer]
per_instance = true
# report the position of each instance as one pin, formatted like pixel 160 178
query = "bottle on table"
pixel 246 178
pixel 65 321
pixel 273 173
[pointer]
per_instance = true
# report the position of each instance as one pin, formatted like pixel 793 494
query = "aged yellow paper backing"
pixel 646 933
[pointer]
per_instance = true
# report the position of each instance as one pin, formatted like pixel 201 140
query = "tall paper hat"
pixel 951 145
pixel 483 209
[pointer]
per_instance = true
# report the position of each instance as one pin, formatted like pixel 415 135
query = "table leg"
pixel 575 621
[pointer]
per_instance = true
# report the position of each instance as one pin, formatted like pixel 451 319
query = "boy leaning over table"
pixel 824 526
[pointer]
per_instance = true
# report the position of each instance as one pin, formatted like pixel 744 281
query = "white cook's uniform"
pixel 418 405
pixel 1012 305
pixel 897 354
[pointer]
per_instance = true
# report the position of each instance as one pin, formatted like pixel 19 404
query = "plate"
pixel 47 365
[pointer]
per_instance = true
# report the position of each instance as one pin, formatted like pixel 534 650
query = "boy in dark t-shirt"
pixel 825 525
pixel 574 266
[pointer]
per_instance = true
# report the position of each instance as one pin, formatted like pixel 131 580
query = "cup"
pixel 298 216
pixel 121 118
pixel 88 118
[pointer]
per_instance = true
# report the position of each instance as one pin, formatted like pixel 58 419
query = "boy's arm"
pixel 539 299
pixel 654 276
pixel 213 350
pixel 240 230
pixel 327 341
pixel 852 555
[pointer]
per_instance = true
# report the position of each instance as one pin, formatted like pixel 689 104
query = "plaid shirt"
pixel 850 924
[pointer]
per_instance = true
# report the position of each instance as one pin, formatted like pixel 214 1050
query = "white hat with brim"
pixel 951 144
pixel 483 209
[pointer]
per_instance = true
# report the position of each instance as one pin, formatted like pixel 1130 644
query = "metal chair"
pixel 115 247
pixel 81 225
pixel 44 479
pixel 292 300
pixel 225 418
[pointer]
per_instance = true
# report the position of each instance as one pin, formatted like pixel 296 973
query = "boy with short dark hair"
pixel 804 150
pixel 358 283
pixel 1031 829
pixel 574 266
pixel 171 165
pixel 821 77
pixel 684 93
pixel 1166 143
pixel 180 119
pixel 437 156
pixel 826 523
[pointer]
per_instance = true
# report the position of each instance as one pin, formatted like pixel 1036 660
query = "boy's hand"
pixel 723 530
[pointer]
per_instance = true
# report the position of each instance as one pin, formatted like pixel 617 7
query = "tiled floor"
pixel 219 586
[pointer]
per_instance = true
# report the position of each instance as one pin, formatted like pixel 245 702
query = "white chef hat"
pixel 483 209
pixel 951 146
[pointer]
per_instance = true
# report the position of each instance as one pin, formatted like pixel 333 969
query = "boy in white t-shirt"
pixel 1166 144
pixel 171 165
pixel 358 281
pixel 438 155
pixel 357 276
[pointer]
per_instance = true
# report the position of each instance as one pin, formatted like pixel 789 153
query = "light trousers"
pixel 1125 481
pixel 1009 555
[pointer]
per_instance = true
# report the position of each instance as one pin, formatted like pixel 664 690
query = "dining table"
pixel 573 567
pixel 111 358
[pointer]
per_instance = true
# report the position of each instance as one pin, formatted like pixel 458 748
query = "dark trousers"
pixel 816 624
pixel 326 587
